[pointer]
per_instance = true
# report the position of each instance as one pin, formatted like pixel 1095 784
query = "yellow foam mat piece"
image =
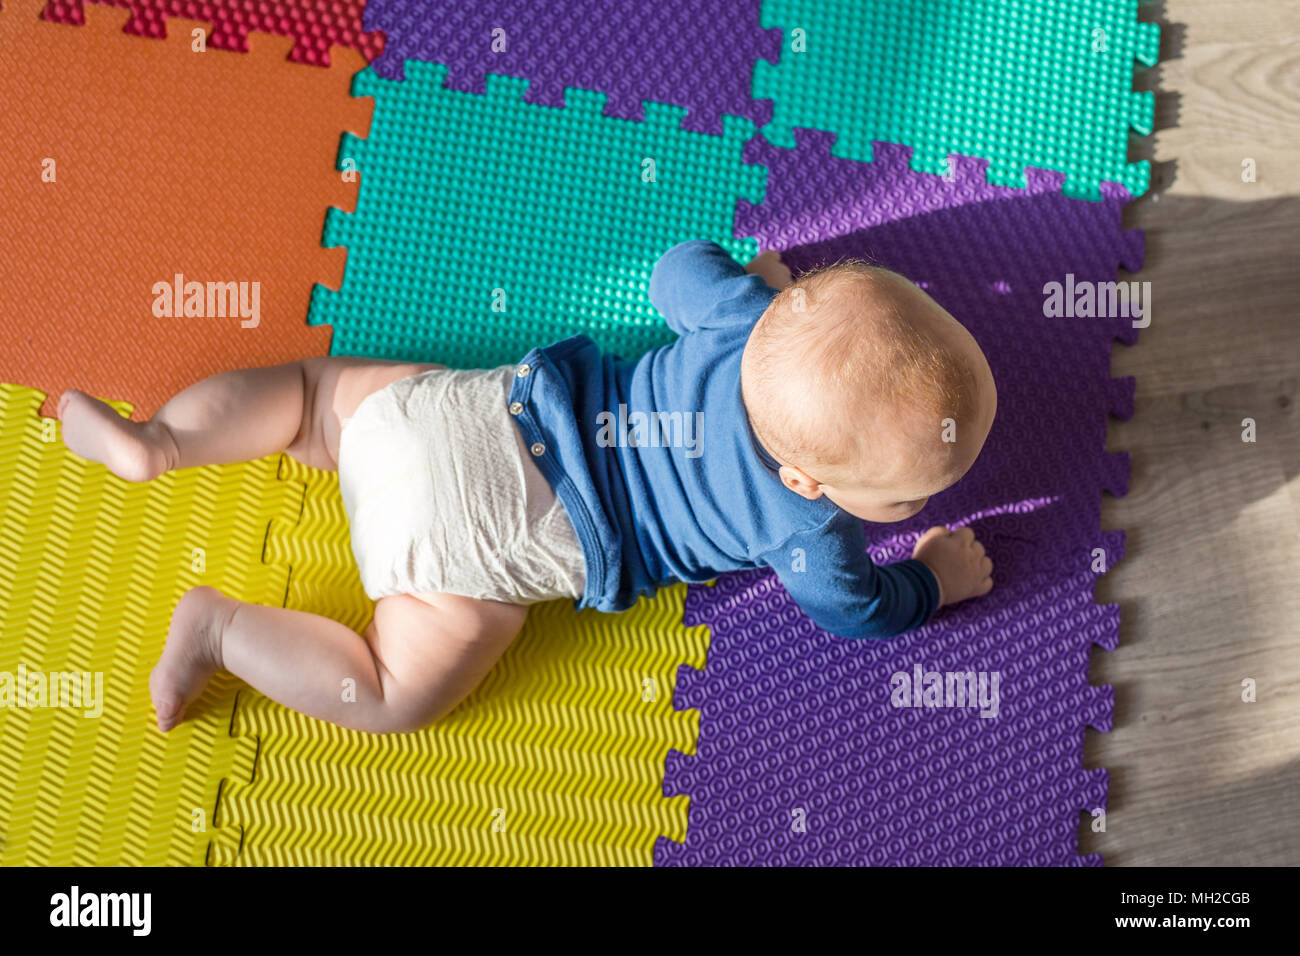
pixel 90 569
pixel 557 758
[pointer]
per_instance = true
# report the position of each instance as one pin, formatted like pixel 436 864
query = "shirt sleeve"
pixel 829 574
pixel 697 285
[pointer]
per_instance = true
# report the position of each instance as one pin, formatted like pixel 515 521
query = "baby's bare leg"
pixel 235 416
pixel 418 659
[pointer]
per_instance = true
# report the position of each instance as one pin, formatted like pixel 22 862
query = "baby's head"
pixel 865 390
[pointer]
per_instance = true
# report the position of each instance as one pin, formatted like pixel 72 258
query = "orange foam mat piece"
pixel 130 161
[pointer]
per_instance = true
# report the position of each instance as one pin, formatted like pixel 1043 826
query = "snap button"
pixel 523 371
pixel 538 449
pixel 516 408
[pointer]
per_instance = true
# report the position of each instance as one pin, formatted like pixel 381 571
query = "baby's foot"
pixel 134 451
pixel 192 653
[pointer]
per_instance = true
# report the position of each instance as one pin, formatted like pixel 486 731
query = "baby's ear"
pixel 798 481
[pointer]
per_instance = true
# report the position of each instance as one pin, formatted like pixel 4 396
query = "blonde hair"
pixel 846 335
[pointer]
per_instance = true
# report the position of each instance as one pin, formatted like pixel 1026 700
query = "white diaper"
pixel 443 496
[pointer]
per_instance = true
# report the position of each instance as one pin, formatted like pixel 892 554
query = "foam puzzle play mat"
pixel 376 167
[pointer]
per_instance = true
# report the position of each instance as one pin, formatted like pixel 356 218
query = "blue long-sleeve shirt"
pixel 658 469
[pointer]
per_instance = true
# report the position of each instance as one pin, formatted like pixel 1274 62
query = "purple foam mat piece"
pixel 698 54
pixel 802 756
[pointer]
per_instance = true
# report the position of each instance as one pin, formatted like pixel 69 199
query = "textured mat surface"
pixel 486 225
pixel 470 200
pixel 313 25
pixel 90 568
pixel 557 758
pixel 218 167
pixel 579 779
pixel 1044 83
pixel 798 727
pixel 694 53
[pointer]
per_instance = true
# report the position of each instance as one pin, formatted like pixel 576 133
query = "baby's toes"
pixel 167 702
pixel 64 401
pixel 164 690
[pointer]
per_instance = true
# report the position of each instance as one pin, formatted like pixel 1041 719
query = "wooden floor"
pixel 1210 588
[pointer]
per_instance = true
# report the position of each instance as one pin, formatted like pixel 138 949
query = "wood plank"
pixel 1208 590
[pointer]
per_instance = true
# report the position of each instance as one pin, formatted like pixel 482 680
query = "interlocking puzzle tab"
pixel 487 225
pixel 313 25
pixel 693 53
pixel 1022 83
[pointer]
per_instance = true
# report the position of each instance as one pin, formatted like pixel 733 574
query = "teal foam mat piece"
pixel 1044 83
pixel 486 226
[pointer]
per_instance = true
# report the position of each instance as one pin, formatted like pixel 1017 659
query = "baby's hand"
pixel 767 265
pixel 958 561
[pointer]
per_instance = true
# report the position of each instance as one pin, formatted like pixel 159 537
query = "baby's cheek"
pixel 889 514
pixel 909 511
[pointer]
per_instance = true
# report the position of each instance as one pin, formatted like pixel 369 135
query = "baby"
pixel 764 435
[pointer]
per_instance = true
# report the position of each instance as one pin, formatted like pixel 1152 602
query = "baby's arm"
pixel 833 580
pixel 697 285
